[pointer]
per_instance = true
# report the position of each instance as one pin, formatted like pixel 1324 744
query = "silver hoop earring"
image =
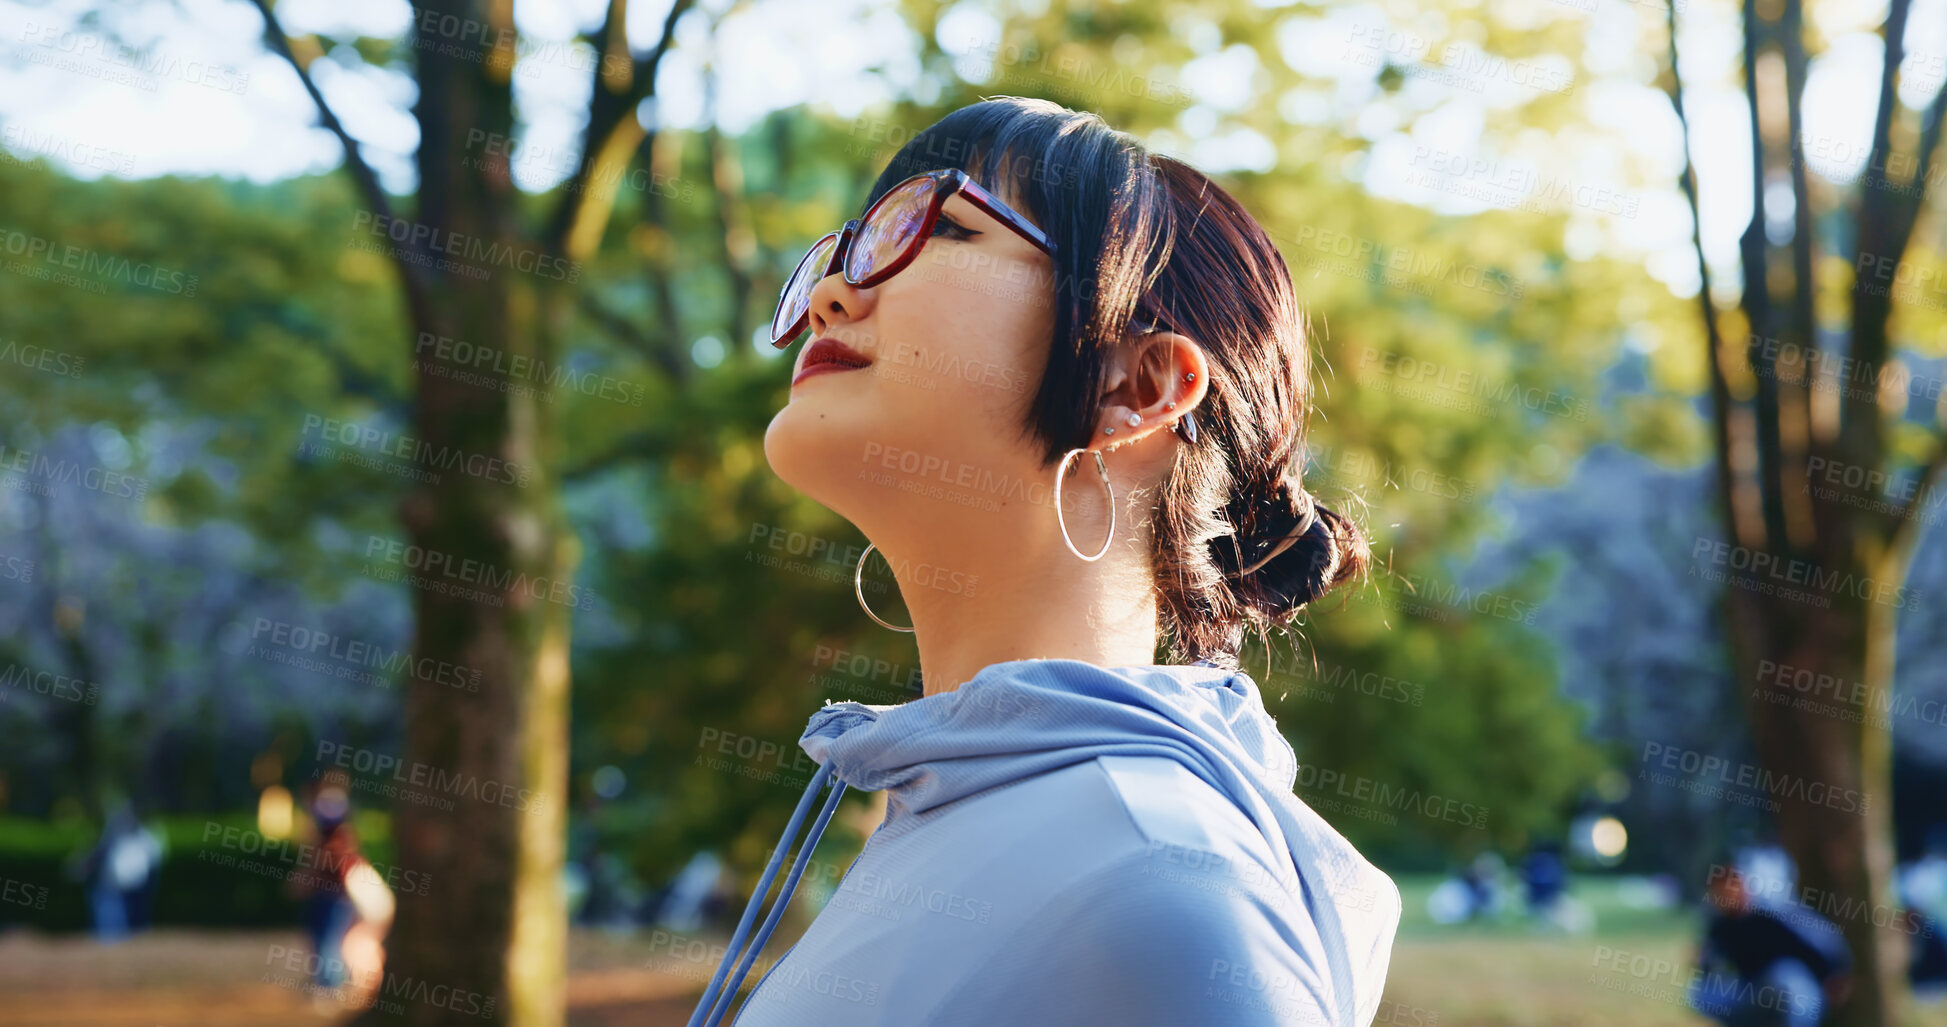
pixel 858 588
pixel 1063 520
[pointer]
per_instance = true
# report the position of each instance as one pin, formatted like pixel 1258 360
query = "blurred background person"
pixel 1766 960
pixel 694 897
pixel 1544 880
pixel 1544 877
pixel 1923 891
pixel 120 873
pixel 327 911
pixel 1475 892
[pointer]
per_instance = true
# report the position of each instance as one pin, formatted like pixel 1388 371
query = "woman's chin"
pixel 778 443
pixel 808 452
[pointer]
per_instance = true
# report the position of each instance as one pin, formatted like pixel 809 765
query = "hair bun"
pixel 1289 549
pixel 1268 522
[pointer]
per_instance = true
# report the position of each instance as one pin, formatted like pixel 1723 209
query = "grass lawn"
pixel 1630 971
pixel 1500 974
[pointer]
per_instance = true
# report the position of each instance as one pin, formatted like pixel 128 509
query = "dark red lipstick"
pixel 827 355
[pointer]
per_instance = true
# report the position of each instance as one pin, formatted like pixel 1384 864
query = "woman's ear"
pixel 1156 377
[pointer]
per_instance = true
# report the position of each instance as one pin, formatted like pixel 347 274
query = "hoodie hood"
pixel 1024 717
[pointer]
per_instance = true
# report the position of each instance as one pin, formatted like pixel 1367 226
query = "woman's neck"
pixel 1040 606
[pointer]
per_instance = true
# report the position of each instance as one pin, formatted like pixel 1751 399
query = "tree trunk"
pixel 486 934
pixel 481 925
pixel 1825 756
pixel 491 921
pixel 1827 773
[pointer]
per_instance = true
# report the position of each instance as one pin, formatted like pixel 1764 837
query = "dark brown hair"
pixel 1145 240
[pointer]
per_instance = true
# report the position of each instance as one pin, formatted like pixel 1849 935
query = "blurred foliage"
pixel 693 640
pixel 216 871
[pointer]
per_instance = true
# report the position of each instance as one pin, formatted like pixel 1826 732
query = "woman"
pixel 1062 384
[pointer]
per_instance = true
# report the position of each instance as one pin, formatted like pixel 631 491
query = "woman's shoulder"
pixel 1181 923
pixel 1181 820
pixel 1194 920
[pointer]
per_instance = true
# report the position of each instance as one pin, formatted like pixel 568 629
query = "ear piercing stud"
pixel 1136 419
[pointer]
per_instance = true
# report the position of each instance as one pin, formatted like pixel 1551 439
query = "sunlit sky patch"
pixel 206 98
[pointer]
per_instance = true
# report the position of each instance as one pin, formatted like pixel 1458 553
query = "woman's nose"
pixel 836 302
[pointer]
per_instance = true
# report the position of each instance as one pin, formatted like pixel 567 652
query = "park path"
pixel 186 978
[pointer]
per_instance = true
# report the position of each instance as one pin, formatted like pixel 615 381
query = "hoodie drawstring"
pixel 716 999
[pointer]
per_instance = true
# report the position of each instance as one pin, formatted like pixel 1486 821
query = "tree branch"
pixel 1903 519
pixel 1887 215
pixel 1769 524
pixel 612 134
pixel 1751 505
pixel 1720 390
pixel 361 172
pixel 1879 233
pixel 1893 38
pixel 656 149
pixel 1801 327
pixel 733 221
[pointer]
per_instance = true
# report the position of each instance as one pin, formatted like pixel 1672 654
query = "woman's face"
pixel 930 432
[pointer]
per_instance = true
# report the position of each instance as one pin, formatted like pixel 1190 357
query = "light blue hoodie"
pixel 1071 844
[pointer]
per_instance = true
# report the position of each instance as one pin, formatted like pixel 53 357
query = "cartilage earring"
pixel 1186 426
pixel 1135 419
pixel 1189 376
pixel 1169 406
pixel 1108 431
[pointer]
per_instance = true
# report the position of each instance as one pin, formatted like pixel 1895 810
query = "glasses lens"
pixel 796 297
pixel 892 226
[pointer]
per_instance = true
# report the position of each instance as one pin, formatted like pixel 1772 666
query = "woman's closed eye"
pixel 942 226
